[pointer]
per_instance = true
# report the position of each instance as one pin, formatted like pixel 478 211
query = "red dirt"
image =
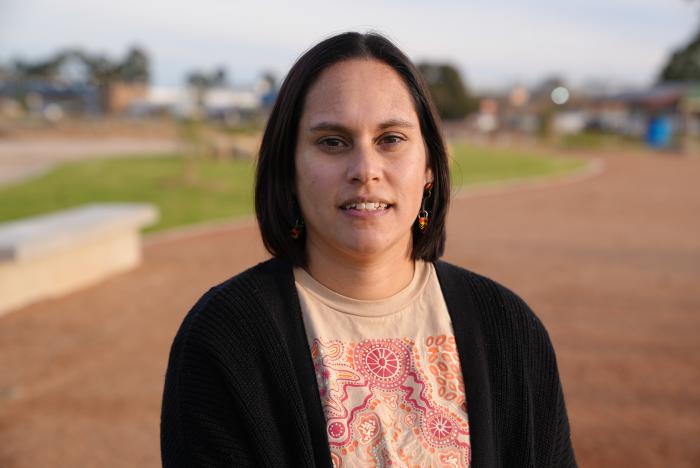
pixel 611 264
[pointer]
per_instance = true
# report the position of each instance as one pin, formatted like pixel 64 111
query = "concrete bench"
pixel 50 255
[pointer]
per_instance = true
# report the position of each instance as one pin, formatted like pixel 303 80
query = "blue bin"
pixel 659 132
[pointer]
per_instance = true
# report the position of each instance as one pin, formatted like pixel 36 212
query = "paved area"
pixel 22 159
pixel 610 263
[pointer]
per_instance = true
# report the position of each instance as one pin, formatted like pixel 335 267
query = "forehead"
pixel 358 91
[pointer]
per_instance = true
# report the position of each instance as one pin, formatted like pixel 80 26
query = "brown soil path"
pixel 611 264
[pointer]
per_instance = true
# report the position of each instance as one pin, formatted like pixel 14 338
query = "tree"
pixel 201 79
pixel 451 96
pixel 77 67
pixel 135 68
pixel 103 74
pixel 44 70
pixel 684 63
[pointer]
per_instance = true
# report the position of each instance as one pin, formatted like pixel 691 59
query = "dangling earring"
pixel 297 229
pixel 423 215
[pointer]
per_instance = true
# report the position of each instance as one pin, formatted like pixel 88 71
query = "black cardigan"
pixel 240 388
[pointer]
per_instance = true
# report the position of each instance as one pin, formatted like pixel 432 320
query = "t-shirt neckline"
pixel 366 308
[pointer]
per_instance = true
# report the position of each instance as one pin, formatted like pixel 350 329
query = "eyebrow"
pixel 336 127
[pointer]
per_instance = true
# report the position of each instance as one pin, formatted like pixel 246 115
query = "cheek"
pixel 315 182
pixel 415 202
pixel 304 173
pixel 312 179
pixel 412 178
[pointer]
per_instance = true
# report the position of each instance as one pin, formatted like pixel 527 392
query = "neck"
pixel 378 277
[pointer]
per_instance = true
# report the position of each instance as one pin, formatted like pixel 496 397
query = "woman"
pixel 354 345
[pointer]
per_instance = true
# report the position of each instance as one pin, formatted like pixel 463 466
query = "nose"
pixel 365 164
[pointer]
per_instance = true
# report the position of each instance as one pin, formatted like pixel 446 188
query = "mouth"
pixel 365 205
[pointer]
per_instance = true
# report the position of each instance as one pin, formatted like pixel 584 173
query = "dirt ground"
pixel 611 264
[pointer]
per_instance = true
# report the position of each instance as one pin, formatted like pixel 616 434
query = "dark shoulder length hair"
pixel 275 203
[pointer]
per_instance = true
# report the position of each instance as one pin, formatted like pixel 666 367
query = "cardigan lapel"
pixel 288 315
pixel 471 346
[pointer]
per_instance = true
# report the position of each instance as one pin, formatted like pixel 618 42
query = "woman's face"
pixel 360 162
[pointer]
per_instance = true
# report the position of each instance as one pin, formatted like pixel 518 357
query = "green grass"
pixel 213 190
pixel 599 140
pixel 480 165
pixel 217 189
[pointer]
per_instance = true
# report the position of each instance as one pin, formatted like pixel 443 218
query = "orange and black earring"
pixel 297 229
pixel 423 215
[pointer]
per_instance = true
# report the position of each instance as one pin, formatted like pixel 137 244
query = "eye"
pixel 332 144
pixel 391 140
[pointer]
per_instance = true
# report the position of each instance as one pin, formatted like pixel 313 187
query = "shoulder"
pixel 504 334
pixel 486 291
pixel 503 315
pixel 234 310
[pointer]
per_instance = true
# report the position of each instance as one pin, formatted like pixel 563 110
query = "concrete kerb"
pixel 50 255
pixel 595 167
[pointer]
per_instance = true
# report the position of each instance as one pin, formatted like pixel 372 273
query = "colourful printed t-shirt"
pixel 388 374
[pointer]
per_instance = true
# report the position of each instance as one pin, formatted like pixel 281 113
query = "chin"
pixel 368 246
pixel 366 250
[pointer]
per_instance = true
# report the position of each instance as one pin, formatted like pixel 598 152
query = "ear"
pixel 428 175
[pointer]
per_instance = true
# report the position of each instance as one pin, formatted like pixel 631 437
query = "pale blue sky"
pixel 495 43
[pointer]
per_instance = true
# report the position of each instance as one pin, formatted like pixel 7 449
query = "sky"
pixel 494 43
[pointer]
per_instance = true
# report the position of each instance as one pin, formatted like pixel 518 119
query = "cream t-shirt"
pixel 388 374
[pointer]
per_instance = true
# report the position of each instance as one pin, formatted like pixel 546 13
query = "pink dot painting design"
pixel 440 429
pixel 387 401
pixel 383 362
pixel 367 427
pixel 336 430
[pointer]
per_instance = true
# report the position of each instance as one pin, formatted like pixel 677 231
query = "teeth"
pixel 368 206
